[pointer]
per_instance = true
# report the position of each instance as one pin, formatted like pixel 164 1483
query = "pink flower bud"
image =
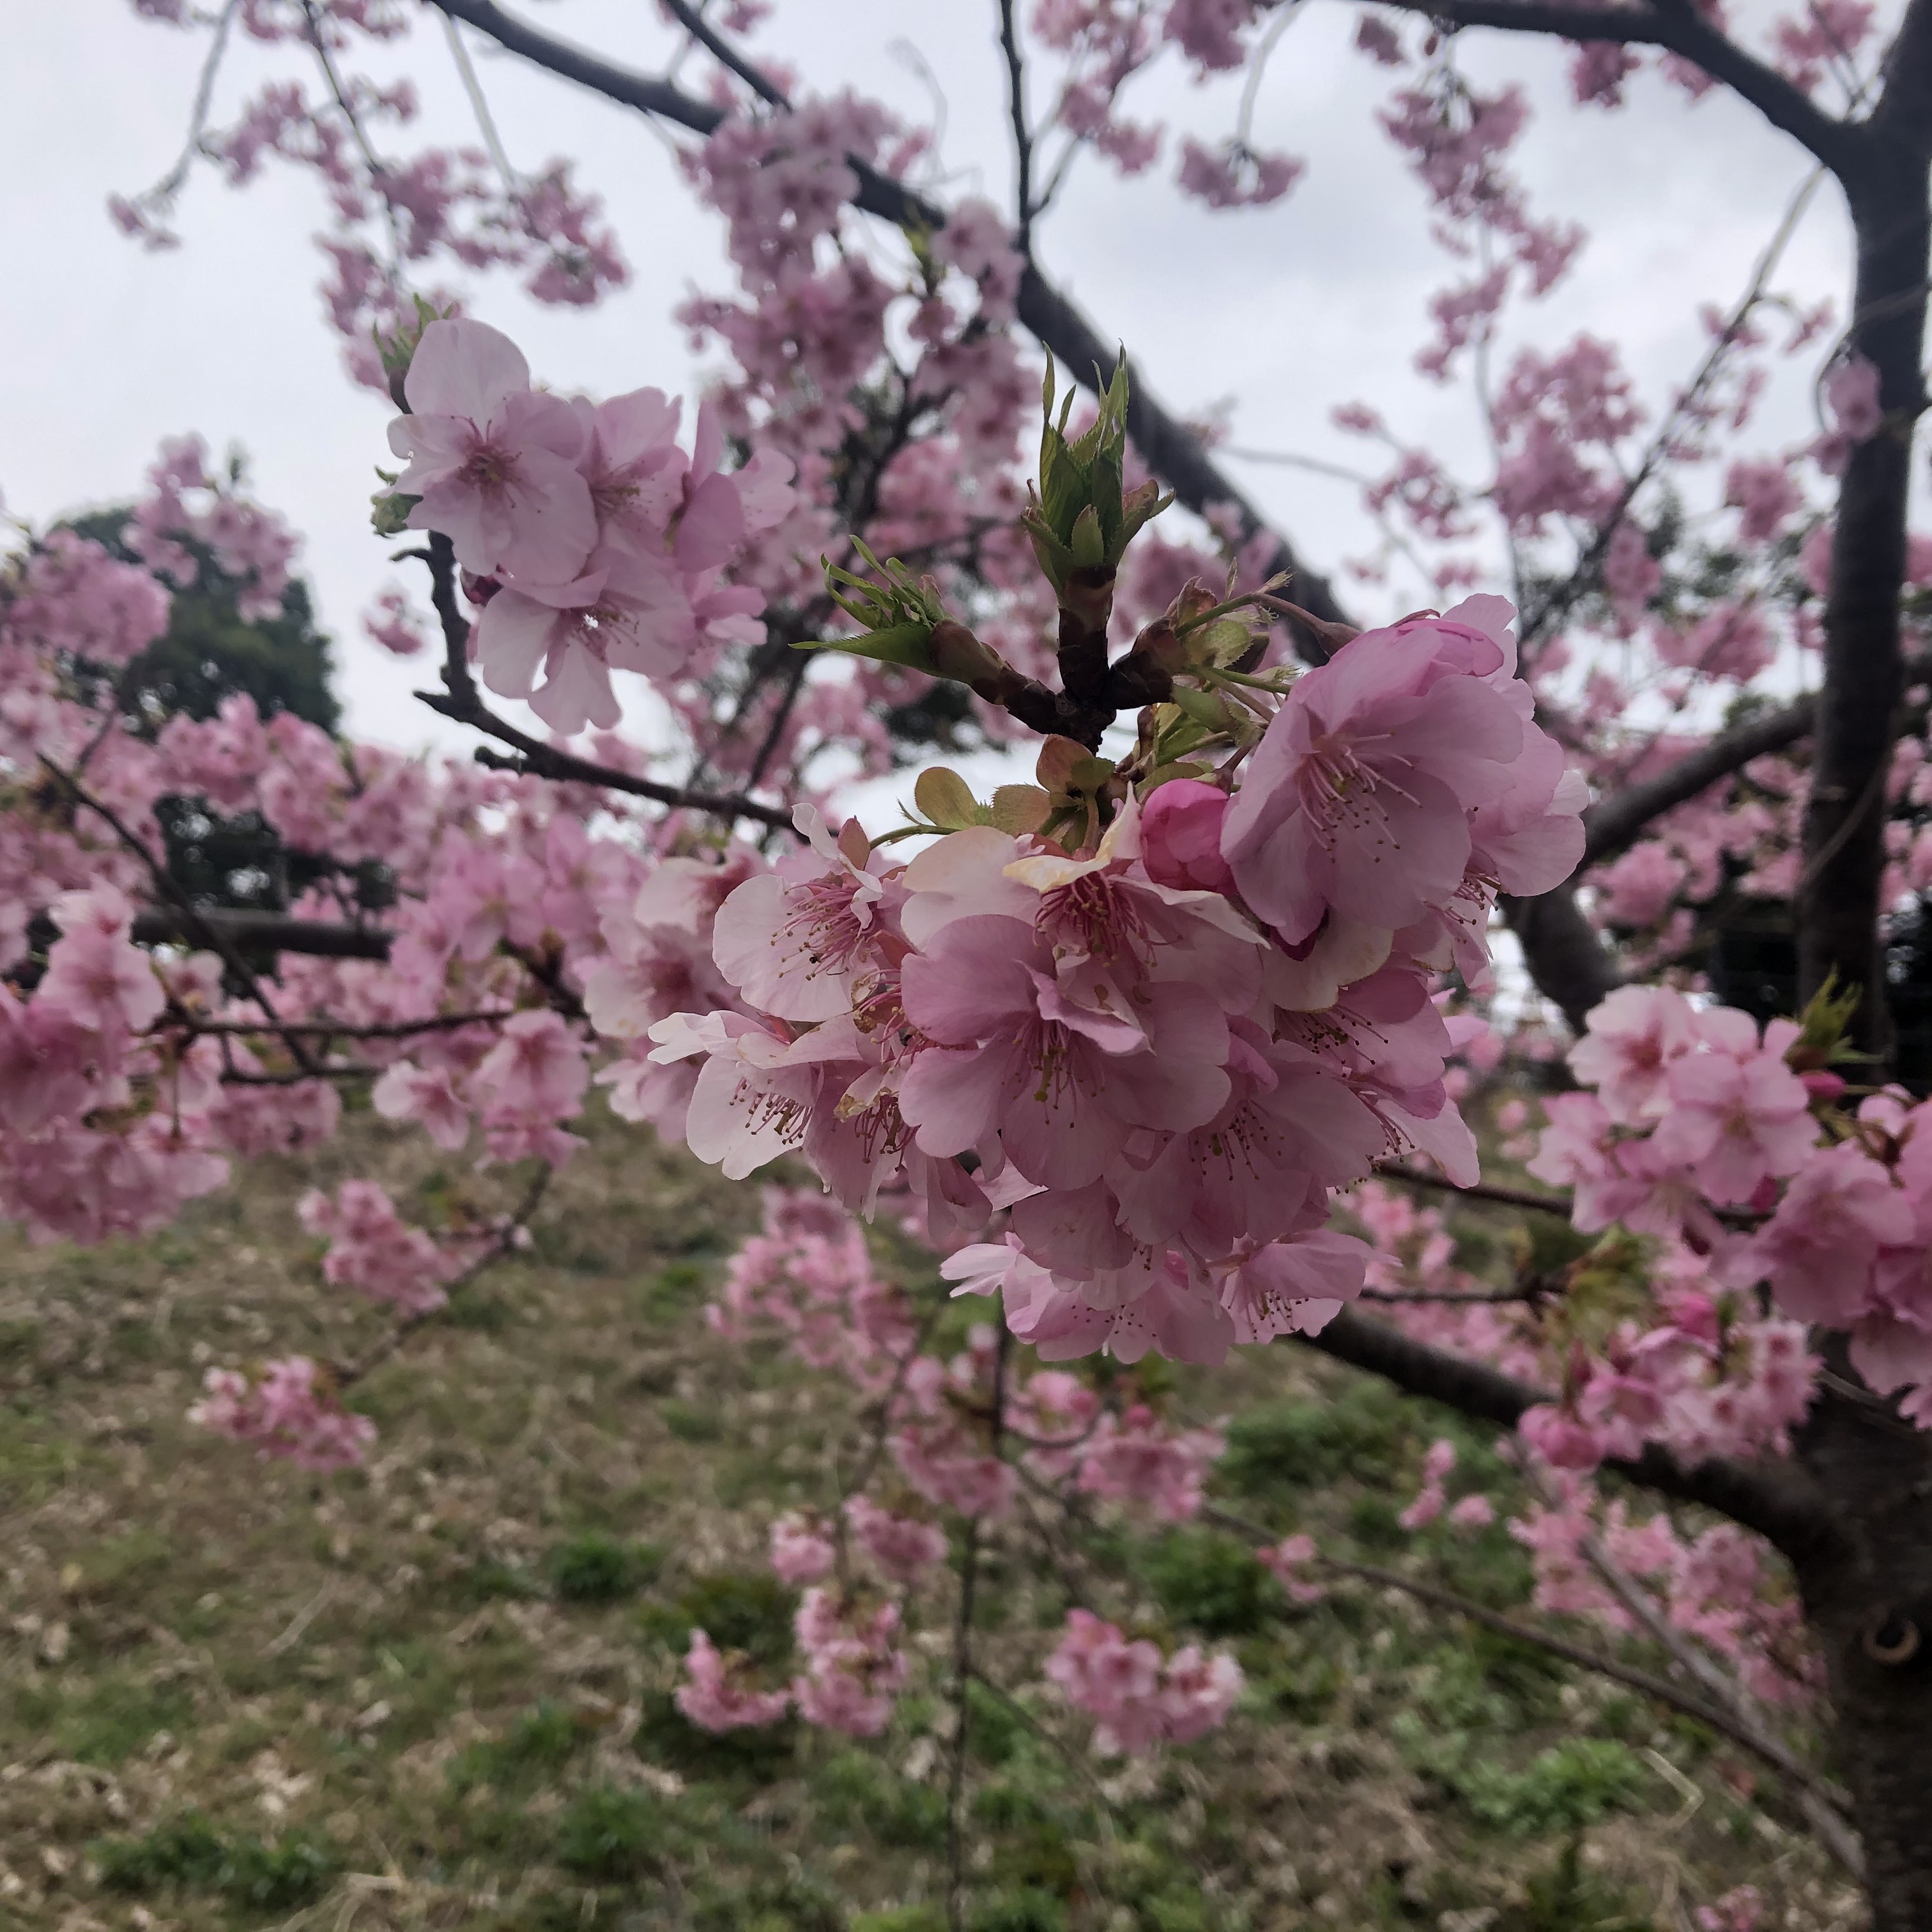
pixel 1180 836
pixel 1822 1085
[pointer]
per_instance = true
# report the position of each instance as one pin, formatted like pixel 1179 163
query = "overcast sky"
pixel 105 348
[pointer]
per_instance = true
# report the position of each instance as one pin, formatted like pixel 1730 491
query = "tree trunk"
pixel 1845 819
pixel 1873 1618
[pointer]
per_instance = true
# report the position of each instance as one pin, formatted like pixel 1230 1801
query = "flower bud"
pixel 1180 836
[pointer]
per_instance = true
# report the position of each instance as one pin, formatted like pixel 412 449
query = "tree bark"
pixel 1872 1616
pixel 1839 897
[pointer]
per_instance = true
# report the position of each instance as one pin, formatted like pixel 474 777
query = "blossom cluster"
pixel 1157 1054
pixel 595 543
pixel 1140 1698
pixel 289 1411
pixel 1742 1153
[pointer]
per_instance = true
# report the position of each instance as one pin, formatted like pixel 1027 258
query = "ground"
pixel 435 1692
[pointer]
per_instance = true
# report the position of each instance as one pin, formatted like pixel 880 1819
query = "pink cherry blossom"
pixel 494 462
pixel 711 1698
pixel 801 1553
pixel 1180 836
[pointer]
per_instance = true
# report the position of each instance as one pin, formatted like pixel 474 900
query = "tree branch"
pixel 1571 966
pixel 726 56
pixel 1776 1499
pixel 166 887
pixel 1823 1808
pixel 315 938
pixel 1009 45
pixel 1612 825
pixel 1504 1197
pixel 1677 26
pixel 460 701
pixel 1718 1716
pixel 1169 448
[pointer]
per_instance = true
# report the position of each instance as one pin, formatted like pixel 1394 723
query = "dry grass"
pixel 434 1693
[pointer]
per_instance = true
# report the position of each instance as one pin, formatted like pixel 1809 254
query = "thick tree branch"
pixel 1677 26
pixel 1614 824
pixel 1570 963
pixel 1776 1499
pixel 1839 896
pixel 272 932
pixel 1169 448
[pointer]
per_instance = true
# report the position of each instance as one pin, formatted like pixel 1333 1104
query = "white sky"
pixel 104 349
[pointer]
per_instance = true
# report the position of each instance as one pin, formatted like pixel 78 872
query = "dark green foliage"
pixel 673 1291
pixel 596 1567
pixel 1300 1445
pixel 1567 1898
pixel 210 650
pixel 535 1748
pixel 276 1877
pixel 186 1850
pixel 1578 1783
pixel 1028 1909
pixel 609 1833
pixel 759 1753
pixel 792 1904
pixel 189 1851
pixel 1209 1582
pixel 855 1790
pixel 900 1918
pixel 751 1613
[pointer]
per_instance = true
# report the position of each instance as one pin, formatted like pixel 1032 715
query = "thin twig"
pixel 378 171
pixel 461 701
pixel 331 1029
pixel 506 1238
pixel 1839 1842
pixel 1009 45
pixel 1556 602
pixel 165 884
pixel 1072 1757
pixel 1503 1197
pixel 1821 1806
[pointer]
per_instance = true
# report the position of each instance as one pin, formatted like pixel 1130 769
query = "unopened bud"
pixel 956 653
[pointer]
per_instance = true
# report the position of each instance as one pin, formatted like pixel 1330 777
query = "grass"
pixel 438 1691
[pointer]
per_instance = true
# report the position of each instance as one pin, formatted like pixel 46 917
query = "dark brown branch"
pixel 1839 897
pixel 1570 963
pixel 460 700
pixel 1504 1197
pixel 274 931
pixel 166 887
pixel 1614 824
pixel 1677 26
pixel 1170 449
pixel 1776 1499
pixel 1009 46
pixel 332 1029
pixel 726 56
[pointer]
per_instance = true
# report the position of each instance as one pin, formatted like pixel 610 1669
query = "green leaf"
pixel 1088 546
pixel 1205 707
pixel 1020 808
pixel 898 643
pixel 946 799
pixel 389 513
